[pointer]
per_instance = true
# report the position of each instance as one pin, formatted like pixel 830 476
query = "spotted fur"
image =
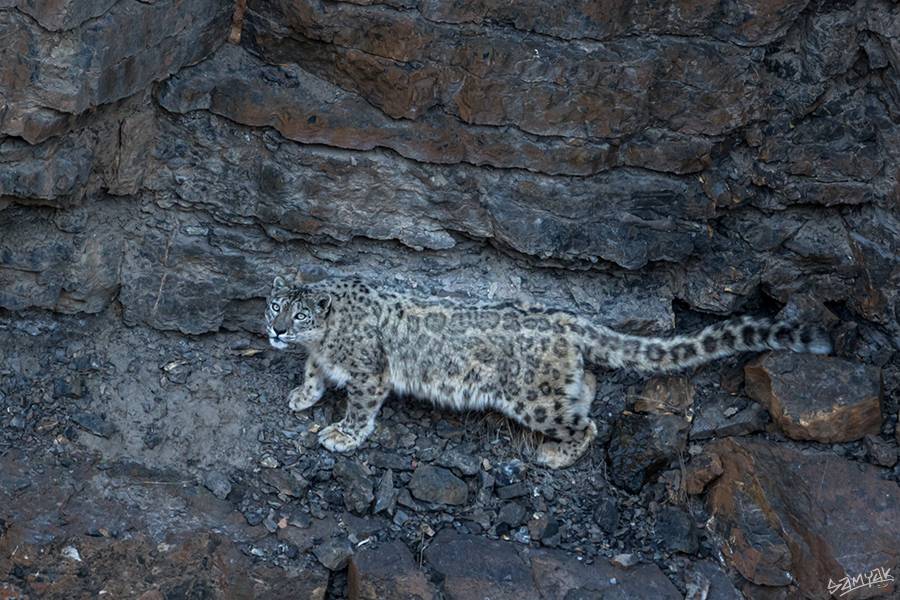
pixel 527 362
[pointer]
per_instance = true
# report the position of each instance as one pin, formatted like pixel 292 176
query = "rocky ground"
pixel 156 465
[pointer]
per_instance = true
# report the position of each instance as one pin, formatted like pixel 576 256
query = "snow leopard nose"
pixel 279 330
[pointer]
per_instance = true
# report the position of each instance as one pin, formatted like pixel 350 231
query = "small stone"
pixel 845 337
pixel 464 462
pixel 289 483
pixel 438 485
pixel 516 490
pixel 485 486
pixel 299 518
pixel 625 561
pixel 665 395
pixel 269 462
pixel 511 514
pixel 218 484
pixel 390 460
pixel 335 553
pixel 253 518
pixel 546 529
pixel 17 422
pixel 449 431
pixel 482 519
pixel 404 498
pixel 732 380
pixel 269 522
pixel 880 452
pixel 718 418
pixel 401 518
pixel 509 472
pixel 93 424
pixel 806 308
pixel 71 553
pixel 385 495
pixel 606 514
pixel 522 536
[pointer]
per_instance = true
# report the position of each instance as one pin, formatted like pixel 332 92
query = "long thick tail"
pixel 657 355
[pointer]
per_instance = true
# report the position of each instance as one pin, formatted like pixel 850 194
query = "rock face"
pixel 712 151
pixel 784 516
pixel 818 398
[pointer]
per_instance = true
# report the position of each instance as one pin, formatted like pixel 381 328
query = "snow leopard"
pixel 529 362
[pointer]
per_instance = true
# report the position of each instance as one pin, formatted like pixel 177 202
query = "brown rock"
pixel 406 64
pixel 700 471
pixel 781 516
pixel 387 572
pixel 817 397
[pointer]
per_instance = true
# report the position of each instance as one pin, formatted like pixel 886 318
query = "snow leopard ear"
pixel 322 303
pixel 279 284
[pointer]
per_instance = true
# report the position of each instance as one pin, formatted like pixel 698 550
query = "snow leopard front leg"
pixel 366 393
pixel 312 388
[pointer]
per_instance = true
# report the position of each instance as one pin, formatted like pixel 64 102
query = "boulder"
pixel 821 398
pixel 783 516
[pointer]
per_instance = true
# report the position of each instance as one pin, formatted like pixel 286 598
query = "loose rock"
pixel 642 446
pixel 880 452
pixel 606 514
pixel 508 472
pixel 438 485
pixel 385 494
pixel 335 553
pixel 93 423
pixel 217 483
pixel 714 419
pixel 358 487
pixel 663 395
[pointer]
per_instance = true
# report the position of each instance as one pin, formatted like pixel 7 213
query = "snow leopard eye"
pixel 300 317
pixel 276 307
